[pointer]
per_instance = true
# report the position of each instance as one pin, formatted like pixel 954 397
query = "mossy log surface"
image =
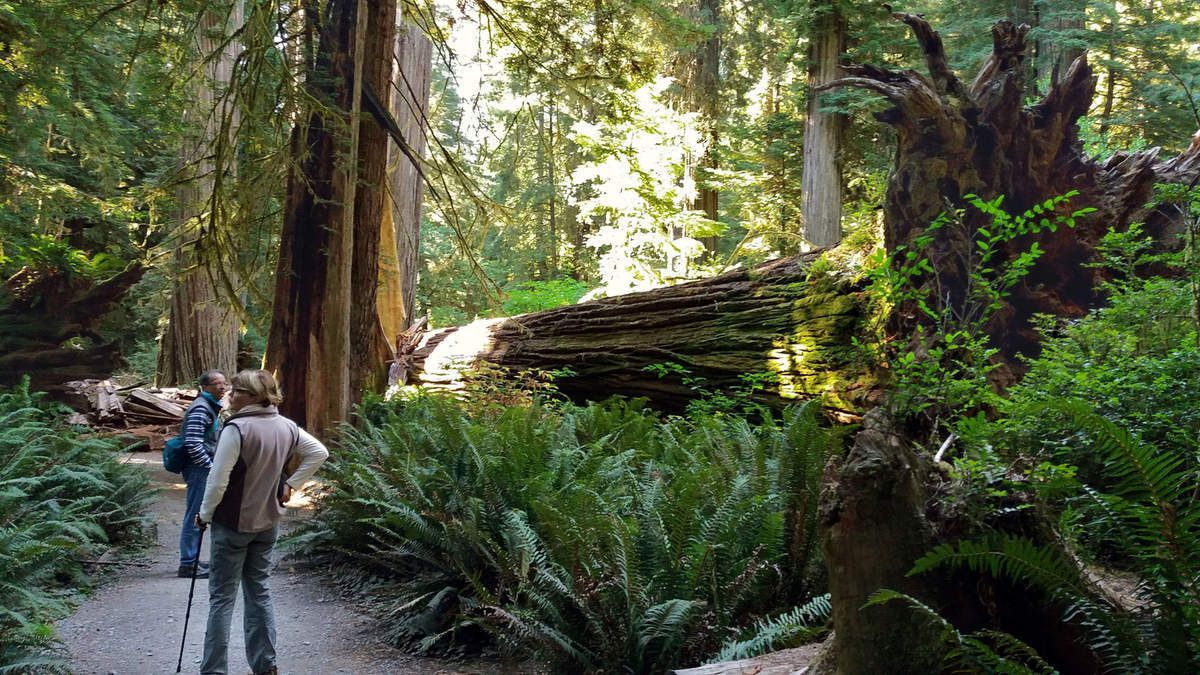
pixel 772 319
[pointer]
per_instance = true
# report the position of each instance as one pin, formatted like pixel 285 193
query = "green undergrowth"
pixel 1100 437
pixel 593 539
pixel 63 498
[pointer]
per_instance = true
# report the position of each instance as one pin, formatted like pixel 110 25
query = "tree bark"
pixel 401 234
pixel 703 93
pixel 956 139
pixel 1064 15
pixel 324 323
pixel 202 326
pixel 41 309
pixel 771 320
pixel 874 528
pixel 368 344
pixel 821 183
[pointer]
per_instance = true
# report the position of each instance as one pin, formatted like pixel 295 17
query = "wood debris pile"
pixel 146 414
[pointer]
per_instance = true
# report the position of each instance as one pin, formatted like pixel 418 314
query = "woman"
pixel 243 499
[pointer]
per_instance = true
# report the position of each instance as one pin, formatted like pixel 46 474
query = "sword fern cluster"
pixel 61 497
pixel 595 538
pixel 1148 498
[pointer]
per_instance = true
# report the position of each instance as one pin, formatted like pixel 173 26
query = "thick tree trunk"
pixel 770 320
pixel 1063 17
pixel 703 93
pixel 202 327
pixel 821 183
pixel 202 330
pixel 368 344
pixel 879 489
pixel 401 235
pixel 324 324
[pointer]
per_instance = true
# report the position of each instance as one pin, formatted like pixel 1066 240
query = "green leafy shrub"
pixel 1134 361
pixel 597 538
pixel 941 371
pixel 61 497
pixel 532 296
pixel 1148 502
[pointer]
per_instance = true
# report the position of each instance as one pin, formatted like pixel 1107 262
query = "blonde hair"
pixel 260 384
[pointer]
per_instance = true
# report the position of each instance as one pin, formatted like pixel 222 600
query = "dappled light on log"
pixel 774 323
pixel 457 350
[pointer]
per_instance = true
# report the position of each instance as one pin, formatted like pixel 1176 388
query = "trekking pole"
pixel 188 614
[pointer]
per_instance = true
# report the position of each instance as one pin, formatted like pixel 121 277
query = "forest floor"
pixel 132 624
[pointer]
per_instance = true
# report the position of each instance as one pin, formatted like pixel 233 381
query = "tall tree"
pixel 401 234
pixel 822 179
pixel 202 327
pixel 324 330
pixel 706 91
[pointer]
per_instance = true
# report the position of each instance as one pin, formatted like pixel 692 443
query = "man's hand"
pixel 200 523
pixel 285 495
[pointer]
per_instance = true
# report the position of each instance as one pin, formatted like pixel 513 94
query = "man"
pixel 201 426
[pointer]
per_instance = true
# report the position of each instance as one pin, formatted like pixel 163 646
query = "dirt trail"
pixel 133 624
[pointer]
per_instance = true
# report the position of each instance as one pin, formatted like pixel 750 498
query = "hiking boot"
pixel 186 571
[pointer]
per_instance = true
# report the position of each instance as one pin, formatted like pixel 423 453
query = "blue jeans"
pixel 245 558
pixel 189 537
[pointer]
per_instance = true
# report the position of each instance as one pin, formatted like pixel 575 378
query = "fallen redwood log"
pixel 48 322
pixel 771 322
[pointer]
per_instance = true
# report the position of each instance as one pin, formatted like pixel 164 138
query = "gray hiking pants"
pixel 240 558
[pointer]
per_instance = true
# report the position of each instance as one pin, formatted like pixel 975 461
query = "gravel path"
pixel 133 624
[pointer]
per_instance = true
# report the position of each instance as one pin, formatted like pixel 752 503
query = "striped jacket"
pixel 200 430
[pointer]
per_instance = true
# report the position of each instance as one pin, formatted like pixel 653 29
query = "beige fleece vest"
pixel 251 502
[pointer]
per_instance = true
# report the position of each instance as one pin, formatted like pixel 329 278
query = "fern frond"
pixel 785 630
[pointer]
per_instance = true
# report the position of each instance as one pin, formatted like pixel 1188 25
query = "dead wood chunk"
pixel 144 418
pixel 147 437
pixel 795 661
pixel 154 404
pixel 108 403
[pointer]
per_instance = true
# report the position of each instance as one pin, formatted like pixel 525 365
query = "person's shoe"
pixel 273 671
pixel 186 571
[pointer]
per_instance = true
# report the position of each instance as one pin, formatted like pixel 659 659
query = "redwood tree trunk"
pixel 368 344
pixel 703 92
pixel 324 324
pixel 874 528
pixel 822 178
pixel 202 327
pixel 401 235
